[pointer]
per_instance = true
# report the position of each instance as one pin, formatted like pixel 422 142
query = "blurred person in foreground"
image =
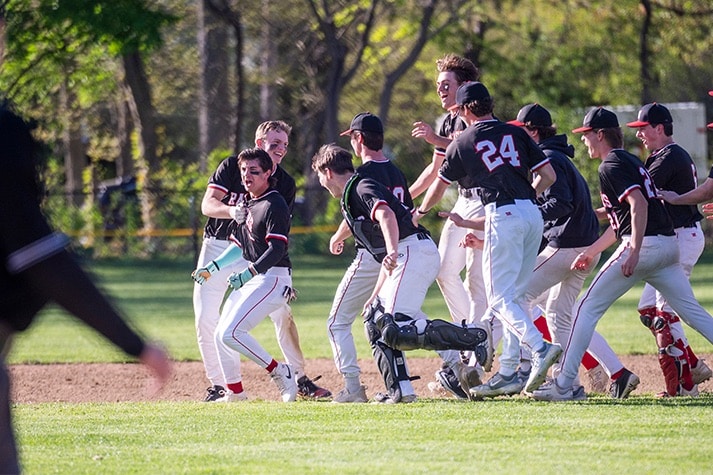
pixel 37 268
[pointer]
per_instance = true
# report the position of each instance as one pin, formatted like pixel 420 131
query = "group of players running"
pixel 523 228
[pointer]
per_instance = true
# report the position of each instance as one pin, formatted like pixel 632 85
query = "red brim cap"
pixel 581 130
pixel 346 132
pixel 710 93
pixel 516 122
pixel 637 123
pixel 710 126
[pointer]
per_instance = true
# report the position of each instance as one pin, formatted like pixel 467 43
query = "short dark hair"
pixel 333 157
pixel 372 140
pixel 543 131
pixel 613 136
pixel 480 108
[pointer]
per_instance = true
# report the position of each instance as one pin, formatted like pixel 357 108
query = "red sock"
pixel 236 387
pixel 271 366
pixel 616 375
pixel 692 358
pixel 541 324
pixel 588 361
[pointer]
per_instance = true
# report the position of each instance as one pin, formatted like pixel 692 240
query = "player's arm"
pixel 703 192
pixel 428 175
pixel 585 258
pixel 477 223
pixel 213 207
pixel 336 242
pixel 544 177
pixel 426 132
pixel 433 195
pixel 390 229
pixel 557 199
pixel 639 217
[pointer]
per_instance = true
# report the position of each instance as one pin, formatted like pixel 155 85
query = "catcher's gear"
pixel 202 274
pixel 237 279
pixel 389 361
pixel 672 356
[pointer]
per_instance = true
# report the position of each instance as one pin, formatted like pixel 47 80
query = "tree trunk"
pixel 74 156
pixel 125 160
pixel 644 53
pixel 215 108
pixel 267 64
pixel 145 121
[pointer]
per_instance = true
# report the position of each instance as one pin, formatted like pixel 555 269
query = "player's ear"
pixel 258 143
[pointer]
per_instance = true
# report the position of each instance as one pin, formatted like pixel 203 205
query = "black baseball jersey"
pixel 672 169
pixel 361 198
pixel 566 205
pixel 263 236
pixel 495 157
pixel 389 175
pixel 226 178
pixel 620 173
pixel 451 127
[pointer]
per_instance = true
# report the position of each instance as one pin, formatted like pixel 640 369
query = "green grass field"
pixel 639 435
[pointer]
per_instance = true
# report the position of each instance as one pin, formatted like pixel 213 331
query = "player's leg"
pixel 8 447
pixel 353 291
pixel 288 339
pixel 207 299
pixel 452 262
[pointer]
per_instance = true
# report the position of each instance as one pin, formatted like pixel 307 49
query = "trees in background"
pixel 155 88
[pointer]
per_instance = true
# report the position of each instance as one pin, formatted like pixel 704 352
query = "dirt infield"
pixel 76 383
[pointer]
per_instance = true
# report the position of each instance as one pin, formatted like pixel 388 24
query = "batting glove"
pixel 238 279
pixel 202 274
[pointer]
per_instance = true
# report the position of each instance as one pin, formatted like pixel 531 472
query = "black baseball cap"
pixel 533 115
pixel 470 92
pixel 652 114
pixel 598 118
pixel 365 122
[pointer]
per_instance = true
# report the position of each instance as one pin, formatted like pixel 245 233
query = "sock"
pixel 541 324
pixel 692 358
pixel 616 375
pixel 588 361
pixel 236 387
pixel 271 366
pixel 352 383
pixel 525 365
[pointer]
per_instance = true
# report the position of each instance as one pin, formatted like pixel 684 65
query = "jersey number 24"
pixel 495 155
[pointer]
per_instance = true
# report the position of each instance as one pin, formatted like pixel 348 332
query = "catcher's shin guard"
pixel 672 359
pixel 404 333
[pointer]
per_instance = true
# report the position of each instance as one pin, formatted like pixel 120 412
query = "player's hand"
pixel 156 359
pixel 202 274
pixel 239 212
pixel 668 196
pixel 708 210
pixel 629 264
pixel 424 131
pixel 471 240
pixel 238 279
pixel 455 217
pixel 390 262
pixel 582 262
pixel 336 246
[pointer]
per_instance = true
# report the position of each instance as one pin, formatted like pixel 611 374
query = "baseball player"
pixel 465 300
pixel 648 251
pixel 225 190
pixel 262 225
pixel 497 158
pixel 672 168
pixel 570 225
pixel 37 268
pixel 408 257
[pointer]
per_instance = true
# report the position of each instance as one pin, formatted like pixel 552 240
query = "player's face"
pixel 275 144
pixel 591 140
pixel 446 87
pixel 254 178
pixel 649 137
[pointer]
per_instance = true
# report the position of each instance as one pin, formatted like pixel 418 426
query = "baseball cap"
pixel 533 114
pixel 365 122
pixel 652 114
pixel 470 92
pixel 599 118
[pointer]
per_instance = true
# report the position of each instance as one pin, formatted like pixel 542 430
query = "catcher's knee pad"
pixel 392 367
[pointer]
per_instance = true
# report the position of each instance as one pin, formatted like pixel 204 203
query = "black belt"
pixel 422 236
pixel 467 192
pixel 691 225
pixel 505 202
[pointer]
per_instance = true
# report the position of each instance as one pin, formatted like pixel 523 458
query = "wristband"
pixel 418 211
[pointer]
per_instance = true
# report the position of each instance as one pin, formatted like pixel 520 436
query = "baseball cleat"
pixel 284 378
pixel 485 353
pixel 214 393
pixel 345 396
pixel 701 372
pixel 383 398
pixel 230 396
pixel 541 362
pixel 306 389
pixel 623 385
pixel 551 391
pixel 450 382
pixel 498 385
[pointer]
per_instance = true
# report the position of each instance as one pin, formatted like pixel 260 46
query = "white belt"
pixel 279 271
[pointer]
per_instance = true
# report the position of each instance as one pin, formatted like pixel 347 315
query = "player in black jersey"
pixel 648 251
pixel 224 192
pixel 37 268
pixel 261 230
pixel 408 257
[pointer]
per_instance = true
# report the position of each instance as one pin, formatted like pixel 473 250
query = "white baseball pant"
pixel 691 242
pixel 659 266
pixel 352 293
pixel 244 309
